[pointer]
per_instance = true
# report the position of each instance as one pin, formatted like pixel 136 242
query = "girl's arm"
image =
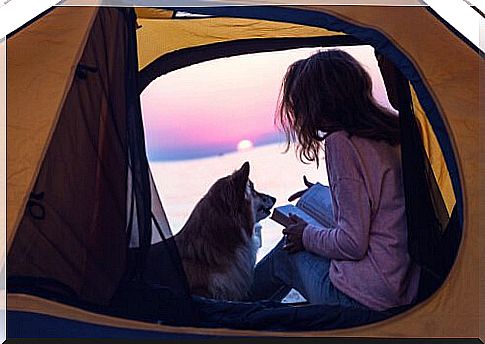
pixel 349 239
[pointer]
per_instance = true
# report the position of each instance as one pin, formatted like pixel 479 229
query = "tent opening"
pixel 187 110
pixel 203 121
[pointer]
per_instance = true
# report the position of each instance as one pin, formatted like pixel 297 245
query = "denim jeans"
pixel 278 272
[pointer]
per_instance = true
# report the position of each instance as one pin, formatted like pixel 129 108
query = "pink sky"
pixel 208 108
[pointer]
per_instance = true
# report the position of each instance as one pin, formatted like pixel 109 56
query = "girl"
pixel 363 260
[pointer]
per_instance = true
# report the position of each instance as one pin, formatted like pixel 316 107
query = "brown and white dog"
pixel 217 244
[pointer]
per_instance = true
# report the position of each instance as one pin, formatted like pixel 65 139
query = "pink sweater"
pixel 368 245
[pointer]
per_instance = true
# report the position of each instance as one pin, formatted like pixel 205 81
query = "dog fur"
pixel 217 244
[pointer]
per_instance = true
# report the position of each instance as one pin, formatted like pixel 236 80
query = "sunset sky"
pixel 209 108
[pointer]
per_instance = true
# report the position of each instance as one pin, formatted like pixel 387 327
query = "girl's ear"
pixel 242 175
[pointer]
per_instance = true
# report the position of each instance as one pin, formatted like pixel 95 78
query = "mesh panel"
pixel 160 226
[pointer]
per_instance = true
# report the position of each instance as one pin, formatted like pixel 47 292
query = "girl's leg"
pixel 272 276
pixel 313 282
pixel 306 272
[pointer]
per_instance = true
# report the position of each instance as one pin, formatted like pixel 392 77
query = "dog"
pixel 217 244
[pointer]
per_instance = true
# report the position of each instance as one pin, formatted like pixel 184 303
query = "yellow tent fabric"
pixel 38 78
pixel 153 13
pixel 448 66
pixel 159 37
pixel 435 156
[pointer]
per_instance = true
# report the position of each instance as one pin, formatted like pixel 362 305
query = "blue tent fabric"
pixel 35 325
pixel 156 304
pixel 262 315
pixel 275 316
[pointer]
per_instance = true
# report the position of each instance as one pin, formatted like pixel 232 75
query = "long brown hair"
pixel 328 92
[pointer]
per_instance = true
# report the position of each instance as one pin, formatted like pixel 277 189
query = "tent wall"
pixel 34 102
pixel 73 228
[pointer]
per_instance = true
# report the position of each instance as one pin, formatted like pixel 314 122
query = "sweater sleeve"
pixel 349 239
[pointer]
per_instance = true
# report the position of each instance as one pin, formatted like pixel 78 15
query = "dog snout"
pixel 269 201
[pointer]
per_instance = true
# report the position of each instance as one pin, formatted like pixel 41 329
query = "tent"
pixel 89 249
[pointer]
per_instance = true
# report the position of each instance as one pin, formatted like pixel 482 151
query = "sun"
pixel 244 145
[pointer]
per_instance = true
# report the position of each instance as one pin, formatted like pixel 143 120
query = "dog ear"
pixel 245 171
pixel 242 175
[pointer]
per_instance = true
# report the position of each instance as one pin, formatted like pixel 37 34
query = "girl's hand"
pixel 294 235
pixel 298 194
